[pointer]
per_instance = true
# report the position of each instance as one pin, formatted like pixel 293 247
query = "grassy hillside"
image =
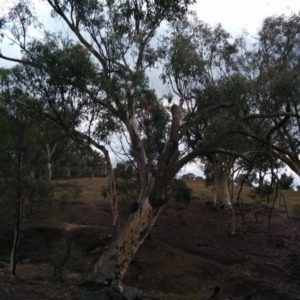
pixel 190 252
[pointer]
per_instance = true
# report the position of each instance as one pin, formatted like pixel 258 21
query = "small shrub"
pixel 261 192
pixel 181 193
pixel 286 181
pixel 182 196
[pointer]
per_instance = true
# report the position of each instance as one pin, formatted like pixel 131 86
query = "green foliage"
pixel 124 171
pixel 154 125
pixel 247 178
pixel 20 153
pixel 127 192
pixel 33 191
pixel 75 161
pixel 126 184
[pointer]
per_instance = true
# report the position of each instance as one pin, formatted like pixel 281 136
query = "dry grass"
pixel 92 188
pixel 289 198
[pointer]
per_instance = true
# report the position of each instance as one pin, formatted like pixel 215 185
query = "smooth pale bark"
pixel 221 189
pixel 113 264
pixel 221 192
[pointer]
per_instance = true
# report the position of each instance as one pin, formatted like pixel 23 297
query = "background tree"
pixel 20 154
pixel 286 181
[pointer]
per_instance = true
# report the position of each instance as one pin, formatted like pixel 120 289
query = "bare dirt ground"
pixel 186 257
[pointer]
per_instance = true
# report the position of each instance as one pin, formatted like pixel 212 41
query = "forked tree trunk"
pixel 112 265
pixel 49 154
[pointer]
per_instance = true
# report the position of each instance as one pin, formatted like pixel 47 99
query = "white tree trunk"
pixel 221 191
pixel 112 265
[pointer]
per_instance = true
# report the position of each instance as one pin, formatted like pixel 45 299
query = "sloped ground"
pixel 190 251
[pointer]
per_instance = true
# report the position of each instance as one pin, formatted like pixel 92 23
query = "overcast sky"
pixel 236 15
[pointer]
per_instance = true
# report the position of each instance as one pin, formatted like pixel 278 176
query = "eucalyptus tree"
pixel 98 76
pixel 108 81
pixel 272 67
pixel 222 165
pixel 202 67
pixel 269 114
pixel 255 88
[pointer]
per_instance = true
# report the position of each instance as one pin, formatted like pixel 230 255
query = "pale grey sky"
pixel 236 15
